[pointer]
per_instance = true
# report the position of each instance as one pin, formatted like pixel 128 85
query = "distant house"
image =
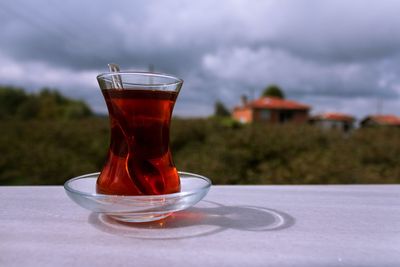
pixel 271 110
pixel 381 120
pixel 333 120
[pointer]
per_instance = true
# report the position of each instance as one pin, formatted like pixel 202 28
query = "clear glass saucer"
pixel 82 190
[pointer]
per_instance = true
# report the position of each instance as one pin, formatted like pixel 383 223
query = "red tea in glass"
pixel 139 160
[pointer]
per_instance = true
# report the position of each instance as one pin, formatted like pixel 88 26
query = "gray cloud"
pixel 327 53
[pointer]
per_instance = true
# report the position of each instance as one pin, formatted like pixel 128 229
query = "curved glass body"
pixel 139 160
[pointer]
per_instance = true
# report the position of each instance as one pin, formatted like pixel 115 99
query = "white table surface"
pixel 233 226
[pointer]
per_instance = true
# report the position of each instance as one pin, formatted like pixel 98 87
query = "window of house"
pixel 265 115
pixel 285 116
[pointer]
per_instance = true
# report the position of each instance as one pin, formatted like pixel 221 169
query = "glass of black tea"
pixel 139 160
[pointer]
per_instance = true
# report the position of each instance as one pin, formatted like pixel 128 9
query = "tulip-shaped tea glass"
pixel 139 181
pixel 139 160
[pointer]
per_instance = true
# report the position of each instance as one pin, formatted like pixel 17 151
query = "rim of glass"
pixel 107 76
pixel 180 194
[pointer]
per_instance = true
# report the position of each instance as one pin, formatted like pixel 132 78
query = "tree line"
pixel 45 149
pixel 46 104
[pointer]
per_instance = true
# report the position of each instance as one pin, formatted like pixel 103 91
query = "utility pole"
pixel 379 106
pixel 252 94
pixel 151 67
pixel 151 70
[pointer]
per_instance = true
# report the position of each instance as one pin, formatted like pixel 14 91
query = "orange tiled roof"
pixel 276 103
pixel 334 116
pixel 385 119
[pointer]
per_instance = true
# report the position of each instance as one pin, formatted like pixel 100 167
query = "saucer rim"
pixel 206 186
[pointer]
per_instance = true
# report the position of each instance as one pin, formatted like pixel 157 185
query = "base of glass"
pixel 139 218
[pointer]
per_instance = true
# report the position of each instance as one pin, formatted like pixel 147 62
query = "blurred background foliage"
pixel 16 104
pixel 47 138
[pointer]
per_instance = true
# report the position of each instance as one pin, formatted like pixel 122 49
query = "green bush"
pixel 51 151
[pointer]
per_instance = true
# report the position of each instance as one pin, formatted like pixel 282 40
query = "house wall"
pixel 243 115
pixel 263 115
pixel 246 115
pixel 275 115
pixel 344 126
pixel 300 116
pixel 372 123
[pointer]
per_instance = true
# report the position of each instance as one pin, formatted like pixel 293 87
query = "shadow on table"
pixel 209 219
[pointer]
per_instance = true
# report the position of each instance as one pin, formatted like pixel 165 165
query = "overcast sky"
pixel 333 55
